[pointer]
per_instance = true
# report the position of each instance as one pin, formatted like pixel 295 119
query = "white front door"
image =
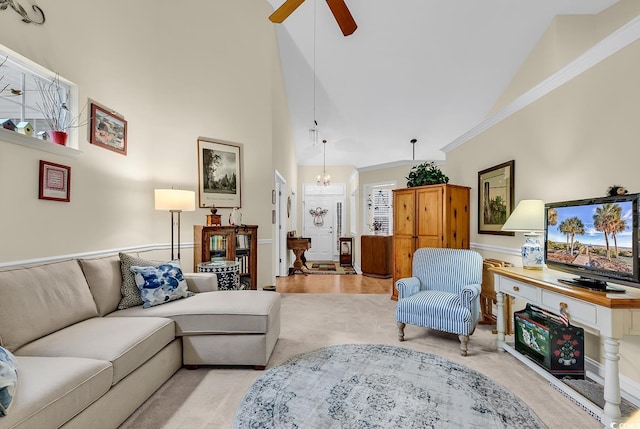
pixel 323 220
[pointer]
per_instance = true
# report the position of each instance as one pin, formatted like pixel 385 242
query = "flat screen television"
pixel 595 239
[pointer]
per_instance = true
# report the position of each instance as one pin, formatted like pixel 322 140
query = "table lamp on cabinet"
pixel 528 217
pixel 175 201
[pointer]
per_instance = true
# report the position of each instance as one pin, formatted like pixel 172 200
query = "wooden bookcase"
pixel 228 243
pixel 427 216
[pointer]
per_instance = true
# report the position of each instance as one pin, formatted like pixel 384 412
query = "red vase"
pixel 59 137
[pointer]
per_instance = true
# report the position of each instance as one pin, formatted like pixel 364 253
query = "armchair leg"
pixel 464 339
pixel 401 331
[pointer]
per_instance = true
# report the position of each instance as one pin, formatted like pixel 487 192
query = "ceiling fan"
pixel 338 8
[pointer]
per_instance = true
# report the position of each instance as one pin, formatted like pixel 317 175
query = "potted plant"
pixel 54 108
pixel 427 173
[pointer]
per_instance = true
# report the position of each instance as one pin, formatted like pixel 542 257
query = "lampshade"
pixel 175 199
pixel 528 216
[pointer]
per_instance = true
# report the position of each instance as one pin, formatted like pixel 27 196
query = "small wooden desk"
pixel 611 315
pixel 298 245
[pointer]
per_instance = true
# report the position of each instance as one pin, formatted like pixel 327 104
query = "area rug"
pixel 327 267
pixel 378 386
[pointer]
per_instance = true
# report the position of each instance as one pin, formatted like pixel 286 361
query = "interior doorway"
pixel 281 226
pixel 323 220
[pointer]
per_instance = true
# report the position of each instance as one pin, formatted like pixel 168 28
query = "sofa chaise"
pixel 82 362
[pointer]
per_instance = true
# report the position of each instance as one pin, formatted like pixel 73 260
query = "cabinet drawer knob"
pixel 516 289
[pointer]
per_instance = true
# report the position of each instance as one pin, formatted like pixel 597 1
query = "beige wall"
pixel 572 143
pixel 175 72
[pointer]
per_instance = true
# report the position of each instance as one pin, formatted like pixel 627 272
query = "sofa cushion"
pixel 54 389
pixel 221 312
pixel 105 279
pixel 161 284
pixel 129 290
pixel 39 300
pixel 125 342
pixel 8 380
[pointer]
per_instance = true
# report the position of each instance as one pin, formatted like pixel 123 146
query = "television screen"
pixel 596 238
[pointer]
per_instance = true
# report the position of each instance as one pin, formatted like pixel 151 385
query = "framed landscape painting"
pixel 495 198
pixel 219 174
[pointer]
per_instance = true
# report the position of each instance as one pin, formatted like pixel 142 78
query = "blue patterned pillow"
pixel 8 380
pixel 161 284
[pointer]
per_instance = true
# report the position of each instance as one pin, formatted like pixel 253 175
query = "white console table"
pixel 611 315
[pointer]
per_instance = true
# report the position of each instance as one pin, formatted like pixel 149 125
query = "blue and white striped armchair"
pixel 443 294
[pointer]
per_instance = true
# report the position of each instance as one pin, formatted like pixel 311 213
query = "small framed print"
pixel 108 129
pixel 55 182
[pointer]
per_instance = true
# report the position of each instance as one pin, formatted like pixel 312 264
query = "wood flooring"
pixel 332 283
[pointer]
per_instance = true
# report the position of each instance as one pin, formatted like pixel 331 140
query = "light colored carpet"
pixel 209 397
pixel 378 386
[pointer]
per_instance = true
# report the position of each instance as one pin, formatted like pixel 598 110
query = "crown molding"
pixel 619 39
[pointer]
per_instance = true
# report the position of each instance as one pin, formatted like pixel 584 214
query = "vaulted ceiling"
pixel 424 69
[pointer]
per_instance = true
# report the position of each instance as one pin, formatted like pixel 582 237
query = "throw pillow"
pixel 8 380
pixel 129 290
pixel 161 284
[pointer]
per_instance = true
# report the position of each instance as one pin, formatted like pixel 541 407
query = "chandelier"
pixel 324 178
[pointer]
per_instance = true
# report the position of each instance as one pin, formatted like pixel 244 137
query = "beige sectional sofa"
pixel 84 364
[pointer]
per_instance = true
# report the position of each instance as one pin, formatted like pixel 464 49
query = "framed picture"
pixel 55 182
pixel 107 129
pixel 219 178
pixel 495 198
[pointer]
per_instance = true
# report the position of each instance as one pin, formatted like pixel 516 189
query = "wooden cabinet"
pixel 427 216
pixel 346 249
pixel 376 255
pixel 228 243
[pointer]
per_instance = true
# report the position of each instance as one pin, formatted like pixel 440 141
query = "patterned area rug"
pixel 378 386
pixel 327 267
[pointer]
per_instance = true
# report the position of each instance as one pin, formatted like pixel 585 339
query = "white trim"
pixel 92 254
pixel 611 44
pixel 498 249
pixel 629 389
pixel 398 164
pixel 34 143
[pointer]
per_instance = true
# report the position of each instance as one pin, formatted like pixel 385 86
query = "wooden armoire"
pixel 427 216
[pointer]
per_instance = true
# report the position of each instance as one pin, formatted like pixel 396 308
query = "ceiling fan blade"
pixel 343 16
pixel 285 10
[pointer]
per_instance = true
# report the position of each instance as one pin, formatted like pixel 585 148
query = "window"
pixel 380 210
pixel 21 84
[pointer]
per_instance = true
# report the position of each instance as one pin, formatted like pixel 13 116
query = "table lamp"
pixel 175 201
pixel 528 217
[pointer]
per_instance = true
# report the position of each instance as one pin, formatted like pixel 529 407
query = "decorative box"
pixel 548 341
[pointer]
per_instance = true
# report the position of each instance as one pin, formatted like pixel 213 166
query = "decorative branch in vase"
pixel 55 110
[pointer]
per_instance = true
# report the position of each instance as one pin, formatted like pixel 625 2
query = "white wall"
pixel 572 143
pixel 176 72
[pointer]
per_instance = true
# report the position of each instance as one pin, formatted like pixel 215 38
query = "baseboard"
pixel 629 389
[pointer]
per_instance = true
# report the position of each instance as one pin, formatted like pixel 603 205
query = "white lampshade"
pixel 528 216
pixel 175 199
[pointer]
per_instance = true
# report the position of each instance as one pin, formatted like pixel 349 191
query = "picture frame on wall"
pixel 108 129
pixel 219 174
pixel 495 198
pixel 55 182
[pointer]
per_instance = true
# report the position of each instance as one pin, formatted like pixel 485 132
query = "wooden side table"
pixel 298 245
